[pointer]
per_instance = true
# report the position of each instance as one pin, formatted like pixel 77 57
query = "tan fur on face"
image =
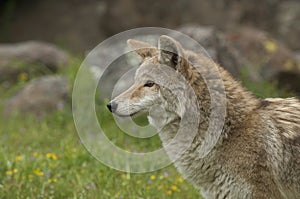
pixel 137 93
pixel 140 91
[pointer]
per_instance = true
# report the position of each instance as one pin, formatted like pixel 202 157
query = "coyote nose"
pixel 112 106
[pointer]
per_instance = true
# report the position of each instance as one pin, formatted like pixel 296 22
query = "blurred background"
pixel 262 34
pixel 42 44
pixel 80 25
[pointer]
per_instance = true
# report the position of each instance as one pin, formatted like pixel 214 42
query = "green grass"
pixel 45 159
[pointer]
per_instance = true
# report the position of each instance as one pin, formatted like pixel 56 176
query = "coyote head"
pixel 156 79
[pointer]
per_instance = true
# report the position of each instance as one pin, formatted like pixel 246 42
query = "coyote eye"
pixel 149 84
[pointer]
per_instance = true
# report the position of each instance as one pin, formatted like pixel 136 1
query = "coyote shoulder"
pixel 258 152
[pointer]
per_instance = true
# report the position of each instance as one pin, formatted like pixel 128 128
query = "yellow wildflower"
pixel 179 179
pixel 270 46
pixel 10 172
pixel 18 158
pixel 23 76
pixel 169 192
pixel 35 154
pixel 51 156
pixel 152 177
pixel 38 172
pixel 288 65
pixel 174 188
pixel 52 180
pixel 138 182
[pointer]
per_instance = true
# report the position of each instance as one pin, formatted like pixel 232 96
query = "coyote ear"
pixel 142 48
pixel 170 52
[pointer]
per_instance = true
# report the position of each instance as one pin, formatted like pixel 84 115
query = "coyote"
pixel 257 154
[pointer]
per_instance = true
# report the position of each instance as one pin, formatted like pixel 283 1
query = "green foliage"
pixel 263 88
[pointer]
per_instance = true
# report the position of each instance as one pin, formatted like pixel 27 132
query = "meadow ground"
pixel 45 159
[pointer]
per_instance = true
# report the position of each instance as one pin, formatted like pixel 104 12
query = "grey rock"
pixel 215 43
pixel 204 35
pixel 39 96
pixel 266 56
pixel 30 57
pixel 297 57
pixel 288 23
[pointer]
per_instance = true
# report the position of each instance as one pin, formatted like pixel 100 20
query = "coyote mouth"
pixel 132 114
pixel 129 115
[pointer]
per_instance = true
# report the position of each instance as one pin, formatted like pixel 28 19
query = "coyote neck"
pixel 238 101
